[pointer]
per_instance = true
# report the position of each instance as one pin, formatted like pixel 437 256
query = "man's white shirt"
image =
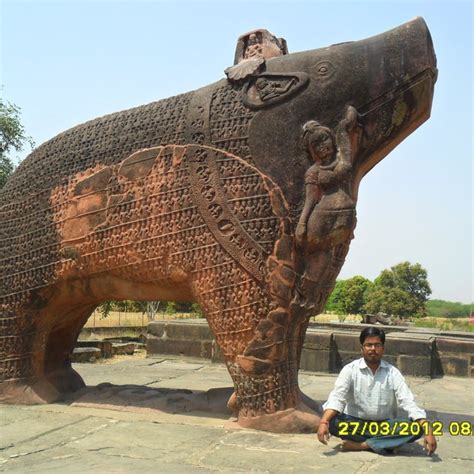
pixel 360 393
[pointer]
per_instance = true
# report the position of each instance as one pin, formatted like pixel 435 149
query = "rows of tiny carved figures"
pixel 226 103
pixel 238 294
pixel 226 130
pixel 269 393
pixel 42 237
pixel 230 121
pixel 14 344
pixel 93 139
pixel 131 235
pixel 15 368
pixel 151 239
pixel 105 140
pixel 14 322
pixel 42 254
pixel 215 200
pixel 236 281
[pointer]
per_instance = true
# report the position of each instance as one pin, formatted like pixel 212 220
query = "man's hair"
pixel 372 332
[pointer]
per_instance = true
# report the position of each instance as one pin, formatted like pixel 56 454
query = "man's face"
pixel 372 349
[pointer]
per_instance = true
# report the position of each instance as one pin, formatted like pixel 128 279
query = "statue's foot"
pixel 29 391
pixel 66 380
pixel 232 404
pixel 292 420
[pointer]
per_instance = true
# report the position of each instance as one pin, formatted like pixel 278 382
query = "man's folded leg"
pixel 355 429
pixel 397 436
pixel 339 423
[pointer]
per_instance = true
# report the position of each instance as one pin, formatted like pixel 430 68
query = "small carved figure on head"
pixel 253 47
pixel 252 50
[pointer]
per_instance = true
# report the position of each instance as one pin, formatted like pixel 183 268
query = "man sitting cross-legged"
pixel 362 407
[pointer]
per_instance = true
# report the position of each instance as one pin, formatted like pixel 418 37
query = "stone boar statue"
pixel 239 196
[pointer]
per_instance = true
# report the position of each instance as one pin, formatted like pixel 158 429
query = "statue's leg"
pixel 36 342
pixel 260 344
pixel 59 347
pixel 22 349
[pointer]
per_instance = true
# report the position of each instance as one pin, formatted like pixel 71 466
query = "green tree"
pixel 354 294
pixel 348 296
pixel 197 310
pixel 105 308
pixel 393 301
pixel 448 309
pixel 401 290
pixel 334 302
pixel 411 278
pixel 12 137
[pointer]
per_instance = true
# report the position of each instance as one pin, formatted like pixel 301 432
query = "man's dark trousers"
pixel 376 442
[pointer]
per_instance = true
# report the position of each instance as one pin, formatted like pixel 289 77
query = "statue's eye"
pixel 324 69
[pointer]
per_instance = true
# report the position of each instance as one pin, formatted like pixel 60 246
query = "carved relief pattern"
pixel 230 121
pixel 30 252
pixel 161 214
pixel 29 249
pixel 235 298
pixel 267 393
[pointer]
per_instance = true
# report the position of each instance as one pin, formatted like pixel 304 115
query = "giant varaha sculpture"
pixel 240 196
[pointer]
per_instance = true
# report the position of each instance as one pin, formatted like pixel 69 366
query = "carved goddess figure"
pixel 328 217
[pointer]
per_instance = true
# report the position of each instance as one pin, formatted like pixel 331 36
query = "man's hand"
pixel 429 442
pixel 323 433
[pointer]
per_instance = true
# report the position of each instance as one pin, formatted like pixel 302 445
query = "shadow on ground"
pixel 129 397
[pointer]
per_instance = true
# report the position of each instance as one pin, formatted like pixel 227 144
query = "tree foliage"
pixel 354 294
pixel 334 302
pixel 393 301
pixel 448 309
pixel 411 278
pixel 150 308
pixel 401 291
pixel 348 296
pixel 12 138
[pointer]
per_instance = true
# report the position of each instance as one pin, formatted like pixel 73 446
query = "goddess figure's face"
pixel 322 147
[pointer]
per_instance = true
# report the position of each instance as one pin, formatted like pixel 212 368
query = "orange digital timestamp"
pixel 404 428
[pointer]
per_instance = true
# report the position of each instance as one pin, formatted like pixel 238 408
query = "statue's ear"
pixel 245 69
pixel 272 88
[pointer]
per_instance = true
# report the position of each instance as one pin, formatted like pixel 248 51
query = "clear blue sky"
pixel 66 62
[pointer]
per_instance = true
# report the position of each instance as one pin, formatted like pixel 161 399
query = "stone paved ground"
pixel 155 426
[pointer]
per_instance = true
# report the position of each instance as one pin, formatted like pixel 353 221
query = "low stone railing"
pixel 415 351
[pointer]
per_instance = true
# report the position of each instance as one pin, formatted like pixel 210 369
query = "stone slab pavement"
pixel 141 415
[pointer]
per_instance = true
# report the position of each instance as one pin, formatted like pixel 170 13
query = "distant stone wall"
pixel 100 332
pixel 415 352
pixel 182 338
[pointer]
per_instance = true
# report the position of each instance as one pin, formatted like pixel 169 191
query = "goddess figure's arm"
pixel 343 138
pixel 311 199
pixel 312 196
